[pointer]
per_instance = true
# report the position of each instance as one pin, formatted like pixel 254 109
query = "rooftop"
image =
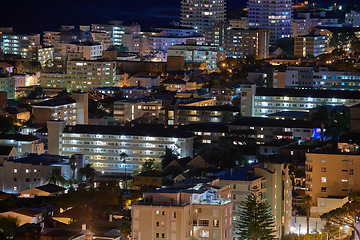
pixel 56 102
pixel 153 130
pixel 265 122
pixel 309 93
pixel 18 137
pixel 51 188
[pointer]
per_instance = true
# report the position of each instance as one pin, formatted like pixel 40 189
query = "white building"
pixel 202 14
pixel 102 145
pixel 89 50
pixel 7 84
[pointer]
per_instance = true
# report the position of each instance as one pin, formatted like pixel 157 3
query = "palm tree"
pixel 73 166
pixel 88 172
pixel 123 156
pixel 56 177
pixel 306 205
pixel 168 157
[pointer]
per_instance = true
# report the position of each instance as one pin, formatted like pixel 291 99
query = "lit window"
pixel 15 170
pixel 323 179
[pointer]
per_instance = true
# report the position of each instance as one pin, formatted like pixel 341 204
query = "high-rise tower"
pixel 202 14
pixel 275 15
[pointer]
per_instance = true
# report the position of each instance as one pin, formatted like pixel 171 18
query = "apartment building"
pixel 104 38
pixel 275 15
pixel 332 174
pixel 18 44
pixel 239 23
pixel 22 173
pixel 126 92
pixel 50 38
pixel 71 110
pixel 176 31
pixel 353 18
pixel 260 102
pixel 239 42
pixel 322 78
pixel 197 212
pixel 7 84
pixel 89 50
pixel 87 75
pixel 115 29
pixel 103 144
pixel 303 22
pixel 273 184
pixel 44 55
pixel 202 14
pixel 128 110
pixel 309 45
pixel 143 81
pixel 192 53
pixel 159 45
pixel 264 130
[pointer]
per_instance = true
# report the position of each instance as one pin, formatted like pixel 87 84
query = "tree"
pixel 168 157
pixel 320 119
pixel 255 219
pixel 125 228
pixel 73 166
pixel 123 157
pixel 6 125
pixel 88 172
pixel 56 177
pixel 7 226
pixel 150 164
pixel 306 202
pixel 339 122
pixel 345 215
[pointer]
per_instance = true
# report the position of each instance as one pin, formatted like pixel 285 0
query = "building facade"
pixel 202 14
pixel 310 45
pixel 275 15
pixel 102 145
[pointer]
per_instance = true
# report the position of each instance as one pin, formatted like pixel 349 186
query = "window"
pixel 323 169
pixel 157 235
pixel 204 223
pixel 204 233
pixel 322 204
pixel 323 189
pixel 162 212
pixel 163 235
pixel 15 170
pixel 323 160
pixel 157 224
pixel 157 212
pixel 323 179
pixel 216 223
pixel 351 171
pixel 344 180
pixel 234 197
pixel 15 179
pixel 234 186
pixel 195 222
pixel 174 215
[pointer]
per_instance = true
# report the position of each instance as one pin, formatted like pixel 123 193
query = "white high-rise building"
pixel 275 15
pixel 202 14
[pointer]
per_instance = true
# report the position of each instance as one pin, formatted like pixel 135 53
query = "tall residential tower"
pixel 274 15
pixel 202 14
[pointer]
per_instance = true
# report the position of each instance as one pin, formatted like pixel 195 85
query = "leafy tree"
pixel 320 119
pixel 56 177
pixel 125 228
pixel 7 204
pixel 168 157
pixel 123 157
pixel 150 164
pixel 345 215
pixel 306 204
pixel 339 122
pixel 6 125
pixel 287 45
pixel 255 218
pixel 8 225
pixel 63 93
pixel 37 92
pixel 88 172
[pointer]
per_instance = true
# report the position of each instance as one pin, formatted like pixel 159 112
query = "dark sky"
pixel 36 16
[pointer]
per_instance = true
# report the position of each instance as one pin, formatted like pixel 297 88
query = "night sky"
pixel 36 16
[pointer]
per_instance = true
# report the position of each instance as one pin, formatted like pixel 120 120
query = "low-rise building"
pixel 183 213
pixel 22 173
pixel 311 45
pixel 72 110
pixel 143 81
pixel 44 190
pixel 192 53
pixel 89 50
pixel 22 143
pixel 103 144
pixel 24 215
